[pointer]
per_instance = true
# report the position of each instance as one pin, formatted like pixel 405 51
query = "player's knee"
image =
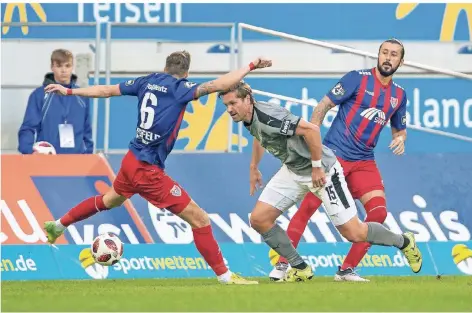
pixel 354 236
pixel 195 216
pixel 112 199
pixel 201 219
pixel 354 231
pixel 258 222
pixel 376 210
pixel 378 215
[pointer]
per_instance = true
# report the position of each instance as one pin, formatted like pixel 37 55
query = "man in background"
pixel 62 121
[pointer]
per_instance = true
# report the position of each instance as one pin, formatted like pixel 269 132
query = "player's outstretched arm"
pixel 312 135
pixel 98 91
pixel 319 112
pixel 230 79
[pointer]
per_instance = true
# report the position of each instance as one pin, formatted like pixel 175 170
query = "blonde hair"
pixel 61 56
pixel 242 90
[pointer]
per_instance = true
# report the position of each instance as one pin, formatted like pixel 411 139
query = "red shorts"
pixel 361 177
pixel 151 183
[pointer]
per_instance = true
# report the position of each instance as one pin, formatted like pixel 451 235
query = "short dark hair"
pixel 178 63
pixel 242 90
pixel 395 41
pixel 61 56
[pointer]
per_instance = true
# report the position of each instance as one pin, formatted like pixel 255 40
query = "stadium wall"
pixel 445 42
pixel 440 103
pixel 430 202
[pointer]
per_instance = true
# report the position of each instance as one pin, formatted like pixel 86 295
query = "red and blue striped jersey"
pixel 365 106
pixel 162 100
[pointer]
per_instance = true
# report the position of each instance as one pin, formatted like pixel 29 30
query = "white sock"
pixel 59 226
pixel 226 277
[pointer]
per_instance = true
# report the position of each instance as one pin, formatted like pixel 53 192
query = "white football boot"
pixel 279 271
pixel 348 275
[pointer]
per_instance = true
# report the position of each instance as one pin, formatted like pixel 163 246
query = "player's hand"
pixel 318 177
pixel 56 88
pixel 262 63
pixel 398 145
pixel 255 180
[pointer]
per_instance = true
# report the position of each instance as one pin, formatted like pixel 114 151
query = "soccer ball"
pixel 44 147
pixel 107 249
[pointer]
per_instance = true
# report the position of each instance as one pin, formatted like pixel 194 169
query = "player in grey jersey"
pixel 308 166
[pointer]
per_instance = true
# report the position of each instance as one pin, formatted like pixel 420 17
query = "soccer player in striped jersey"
pixel 367 100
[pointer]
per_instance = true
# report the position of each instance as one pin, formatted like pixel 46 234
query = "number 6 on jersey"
pixel 147 119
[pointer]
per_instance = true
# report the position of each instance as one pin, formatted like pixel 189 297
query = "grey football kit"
pixel 274 127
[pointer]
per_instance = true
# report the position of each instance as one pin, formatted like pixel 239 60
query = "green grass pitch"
pixel 382 294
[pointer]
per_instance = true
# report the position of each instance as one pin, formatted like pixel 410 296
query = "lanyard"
pixel 66 109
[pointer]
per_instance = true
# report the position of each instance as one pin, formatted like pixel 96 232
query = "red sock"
pixel 376 212
pixel 209 249
pixel 298 223
pixel 83 210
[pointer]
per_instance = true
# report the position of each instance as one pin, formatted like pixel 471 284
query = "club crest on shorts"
pixel 393 102
pixel 176 191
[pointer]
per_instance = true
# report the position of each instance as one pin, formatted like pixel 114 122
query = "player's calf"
pixel 82 211
pixel 195 215
pixel 354 230
pixel 207 246
pixel 376 208
pixel 263 221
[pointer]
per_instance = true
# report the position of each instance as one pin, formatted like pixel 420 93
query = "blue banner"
pixel 44 262
pixel 438 103
pixel 408 21
pixel 115 221
pixel 428 194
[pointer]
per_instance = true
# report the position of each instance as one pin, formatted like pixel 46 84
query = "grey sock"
pixel 278 240
pixel 378 234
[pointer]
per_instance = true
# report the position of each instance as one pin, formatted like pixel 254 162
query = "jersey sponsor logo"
pixel 146 136
pixel 338 90
pixel 157 88
pixel 371 93
pixel 393 102
pixel 285 127
pixel 374 114
pixel 129 82
pixel 189 84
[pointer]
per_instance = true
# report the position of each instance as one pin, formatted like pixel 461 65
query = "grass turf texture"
pixel 320 294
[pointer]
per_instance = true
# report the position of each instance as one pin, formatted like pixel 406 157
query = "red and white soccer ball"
pixel 107 249
pixel 44 147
